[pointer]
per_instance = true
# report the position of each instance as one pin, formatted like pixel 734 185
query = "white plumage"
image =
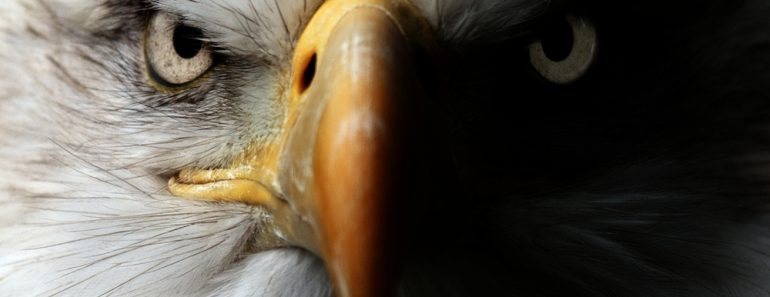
pixel 85 151
pixel 79 218
pixel 542 148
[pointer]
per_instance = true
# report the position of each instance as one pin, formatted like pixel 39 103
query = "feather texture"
pixel 85 142
pixel 648 177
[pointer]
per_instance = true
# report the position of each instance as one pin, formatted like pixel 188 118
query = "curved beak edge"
pixel 337 179
pixel 356 128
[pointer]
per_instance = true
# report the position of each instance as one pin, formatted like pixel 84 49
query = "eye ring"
pixel 175 54
pixel 576 64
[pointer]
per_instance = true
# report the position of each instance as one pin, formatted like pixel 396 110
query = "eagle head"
pixel 384 147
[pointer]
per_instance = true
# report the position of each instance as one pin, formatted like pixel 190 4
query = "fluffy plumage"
pixel 649 177
pixel 86 143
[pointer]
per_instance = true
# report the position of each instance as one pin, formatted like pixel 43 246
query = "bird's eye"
pixel 566 50
pixel 175 53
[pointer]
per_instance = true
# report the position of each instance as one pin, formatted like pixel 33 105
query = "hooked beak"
pixel 334 179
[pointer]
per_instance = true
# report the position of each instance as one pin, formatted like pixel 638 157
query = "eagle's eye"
pixel 176 54
pixel 566 50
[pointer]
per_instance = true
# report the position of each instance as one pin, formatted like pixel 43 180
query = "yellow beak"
pixel 334 179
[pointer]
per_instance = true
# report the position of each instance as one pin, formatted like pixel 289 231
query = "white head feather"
pixel 83 198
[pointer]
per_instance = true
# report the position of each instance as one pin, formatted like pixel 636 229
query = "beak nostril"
pixel 309 74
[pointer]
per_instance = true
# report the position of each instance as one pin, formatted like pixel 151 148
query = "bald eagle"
pixel 384 147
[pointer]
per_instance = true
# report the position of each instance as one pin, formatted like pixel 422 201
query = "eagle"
pixel 359 148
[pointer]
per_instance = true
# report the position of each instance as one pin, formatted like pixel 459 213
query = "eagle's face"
pixel 365 147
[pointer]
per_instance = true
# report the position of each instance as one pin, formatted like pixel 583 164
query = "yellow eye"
pixel 566 51
pixel 176 54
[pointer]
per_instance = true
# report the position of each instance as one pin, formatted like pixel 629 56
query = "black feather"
pixel 648 177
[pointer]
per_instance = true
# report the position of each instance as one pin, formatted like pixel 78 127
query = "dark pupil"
pixel 558 40
pixel 187 41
